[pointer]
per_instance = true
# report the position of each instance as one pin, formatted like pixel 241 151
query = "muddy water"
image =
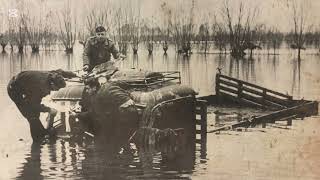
pixel 277 152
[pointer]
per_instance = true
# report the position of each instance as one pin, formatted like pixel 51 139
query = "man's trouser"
pixel 36 128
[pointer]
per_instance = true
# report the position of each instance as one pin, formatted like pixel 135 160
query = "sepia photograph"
pixel 160 89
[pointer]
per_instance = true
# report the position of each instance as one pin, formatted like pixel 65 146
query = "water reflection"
pixel 234 67
pixel 296 76
pixel 135 61
pixel 221 59
pixel 68 159
pixel 274 61
pixel 151 65
pixel 71 160
pixel 32 168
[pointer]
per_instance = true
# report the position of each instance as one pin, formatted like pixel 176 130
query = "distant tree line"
pixel 231 30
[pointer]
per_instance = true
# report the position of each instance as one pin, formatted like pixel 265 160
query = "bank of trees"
pixel 231 28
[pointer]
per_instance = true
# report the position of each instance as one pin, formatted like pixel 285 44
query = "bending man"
pixel 27 90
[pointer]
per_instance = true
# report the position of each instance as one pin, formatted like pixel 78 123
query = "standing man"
pixel 27 90
pixel 98 50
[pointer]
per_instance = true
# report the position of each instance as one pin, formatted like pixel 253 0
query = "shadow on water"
pixel 165 61
pixel 274 61
pixel 221 59
pixel 156 155
pixel 32 167
pixel 151 62
pixel 296 76
pixel 243 68
pixel 135 61
pixel 183 63
pixel 68 159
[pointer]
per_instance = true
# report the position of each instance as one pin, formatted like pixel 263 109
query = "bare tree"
pixel 123 29
pixel 4 40
pixel 299 19
pixel 68 28
pixel 149 31
pixel 18 32
pixel 316 41
pixel 134 28
pixel 49 35
pixel 204 33
pixel 239 30
pixel 220 36
pixel 183 29
pixel 274 39
pixel 166 27
pixel 33 26
pixel 254 39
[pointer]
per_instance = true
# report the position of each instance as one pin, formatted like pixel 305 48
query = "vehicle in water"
pixel 166 106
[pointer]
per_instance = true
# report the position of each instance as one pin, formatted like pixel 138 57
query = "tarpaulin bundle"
pixel 157 96
pixel 162 94
pixel 132 75
pixel 70 93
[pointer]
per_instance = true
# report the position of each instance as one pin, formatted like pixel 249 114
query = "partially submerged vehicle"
pixel 161 101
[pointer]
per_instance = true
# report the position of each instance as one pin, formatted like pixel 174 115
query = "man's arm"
pixel 85 55
pixel 114 51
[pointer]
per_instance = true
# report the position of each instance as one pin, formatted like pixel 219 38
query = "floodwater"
pixel 275 152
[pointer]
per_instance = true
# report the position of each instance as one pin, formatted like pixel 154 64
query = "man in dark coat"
pixel 98 50
pixel 107 110
pixel 27 90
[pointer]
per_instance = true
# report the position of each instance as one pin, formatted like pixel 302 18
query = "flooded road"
pixel 272 153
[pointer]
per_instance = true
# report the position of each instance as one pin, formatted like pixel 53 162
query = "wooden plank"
pixel 263 102
pixel 235 85
pixel 279 94
pixel 287 118
pixel 307 109
pixel 229 90
pixel 251 102
pixel 276 100
pixel 246 89
pixel 200 102
pixel 282 102
pixel 257 87
pixel 240 100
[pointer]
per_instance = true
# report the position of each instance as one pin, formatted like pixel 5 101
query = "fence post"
pixel 203 110
pixel 240 89
pixel 264 97
pixel 217 84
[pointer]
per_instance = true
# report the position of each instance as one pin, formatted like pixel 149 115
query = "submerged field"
pixel 276 152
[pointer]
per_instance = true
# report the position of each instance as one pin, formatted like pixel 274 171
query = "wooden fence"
pixel 252 94
pixel 245 93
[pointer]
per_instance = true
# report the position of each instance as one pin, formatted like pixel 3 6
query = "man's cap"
pixel 100 29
